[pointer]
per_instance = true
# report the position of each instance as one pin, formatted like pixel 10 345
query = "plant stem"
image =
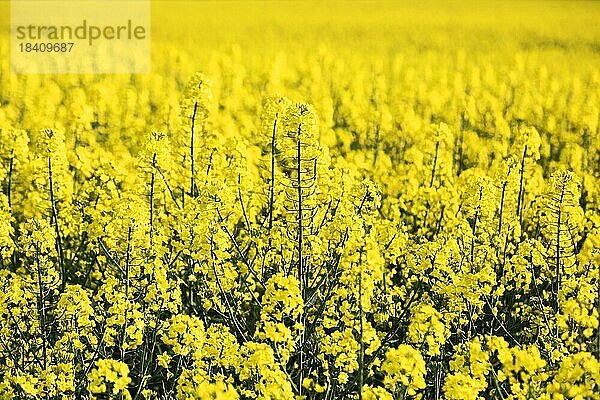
pixel 152 197
pixel 437 147
pixel 56 228
pixel 521 190
pixel 272 183
pixel 8 189
pixel 41 307
pixel 192 180
pixel 361 355
pixel 301 272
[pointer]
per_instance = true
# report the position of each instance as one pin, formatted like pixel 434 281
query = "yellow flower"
pixel 163 360
pixel 110 377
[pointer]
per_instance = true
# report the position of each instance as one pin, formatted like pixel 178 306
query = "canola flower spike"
pixel 272 119
pixel 298 159
pixel 194 111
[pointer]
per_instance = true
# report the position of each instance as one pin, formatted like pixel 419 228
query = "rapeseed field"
pixel 310 200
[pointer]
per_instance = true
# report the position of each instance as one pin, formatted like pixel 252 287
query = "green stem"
pixel 361 355
pixel 192 180
pixel 521 189
pixel 59 247
pixel 437 147
pixel 41 308
pixel 301 272
pixel 152 198
pixel 8 189
pixel 272 183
